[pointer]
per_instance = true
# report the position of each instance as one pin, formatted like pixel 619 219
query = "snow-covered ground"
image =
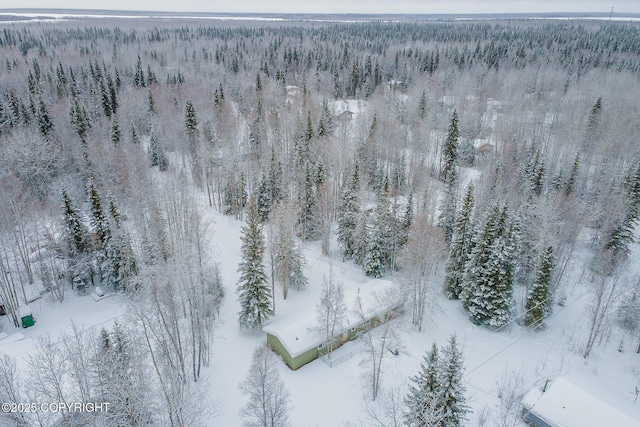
pixel 497 363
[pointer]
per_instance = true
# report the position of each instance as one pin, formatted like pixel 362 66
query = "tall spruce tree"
pixel 119 266
pixel 460 246
pixel 538 304
pixel 450 150
pixel 78 246
pixel 622 234
pixel 254 293
pixel 77 234
pixel 307 197
pixel 99 220
pixel 424 404
pixel 379 236
pixel 452 388
pixel 348 212
pixel 488 281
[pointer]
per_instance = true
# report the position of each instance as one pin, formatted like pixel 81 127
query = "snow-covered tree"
pixel 538 303
pixel 98 219
pixel 460 246
pixel 378 336
pixel 488 282
pixel 234 197
pixel 374 262
pixel 450 151
pixel 421 262
pixel 307 199
pixel 436 395
pixel 269 401
pixel 76 232
pixel 452 388
pixel 424 402
pixel 330 310
pixel 286 254
pixel 348 213
pixel 119 266
pixel 253 290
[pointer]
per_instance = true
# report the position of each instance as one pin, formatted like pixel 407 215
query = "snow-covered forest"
pixel 171 186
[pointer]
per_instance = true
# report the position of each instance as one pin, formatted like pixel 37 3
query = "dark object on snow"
pixel 394 351
pixel 26 317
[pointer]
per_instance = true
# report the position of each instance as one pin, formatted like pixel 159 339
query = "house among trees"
pixel 563 403
pixel 299 340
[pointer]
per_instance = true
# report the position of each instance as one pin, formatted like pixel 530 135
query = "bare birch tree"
pixel 330 311
pixel 379 335
pixel 269 400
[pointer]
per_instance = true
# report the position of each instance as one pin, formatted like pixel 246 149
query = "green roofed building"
pixel 297 338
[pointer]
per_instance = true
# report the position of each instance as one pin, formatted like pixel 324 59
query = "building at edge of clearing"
pixel 297 339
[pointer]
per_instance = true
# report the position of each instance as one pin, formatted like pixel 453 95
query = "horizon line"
pixel 120 11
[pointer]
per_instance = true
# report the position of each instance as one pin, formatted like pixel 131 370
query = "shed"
pixel 565 404
pixel 26 317
pixel 296 338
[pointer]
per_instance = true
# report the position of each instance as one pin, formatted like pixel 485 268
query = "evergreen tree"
pixel 115 131
pixel 79 119
pixel 571 181
pixel 99 221
pixel 78 246
pixel 380 242
pixel 309 216
pixel 253 290
pixel 119 266
pixel 488 281
pixel 156 155
pixel 234 196
pixel 452 389
pixel 361 237
pixel 460 246
pixel 138 76
pixel 190 119
pixel 406 222
pixel 450 151
pixel 348 213
pixel 151 104
pixel 424 401
pixel 77 234
pixel 422 106
pixel 296 275
pixel 112 94
pixel 153 151
pixel 258 83
pixel 538 303
pixel 106 100
pixel 45 124
pixel 264 199
pixel 325 124
pixel 593 123
pixel 135 139
pixel 375 258
pixel 447 216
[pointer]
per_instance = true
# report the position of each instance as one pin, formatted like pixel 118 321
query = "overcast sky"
pixel 338 6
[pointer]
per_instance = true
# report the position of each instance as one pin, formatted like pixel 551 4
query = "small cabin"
pixel 26 317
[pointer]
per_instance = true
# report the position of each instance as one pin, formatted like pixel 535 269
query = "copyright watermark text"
pixel 55 407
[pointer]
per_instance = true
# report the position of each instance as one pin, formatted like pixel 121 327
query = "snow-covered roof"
pixel 25 310
pixel 566 404
pixel 353 106
pixel 300 333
